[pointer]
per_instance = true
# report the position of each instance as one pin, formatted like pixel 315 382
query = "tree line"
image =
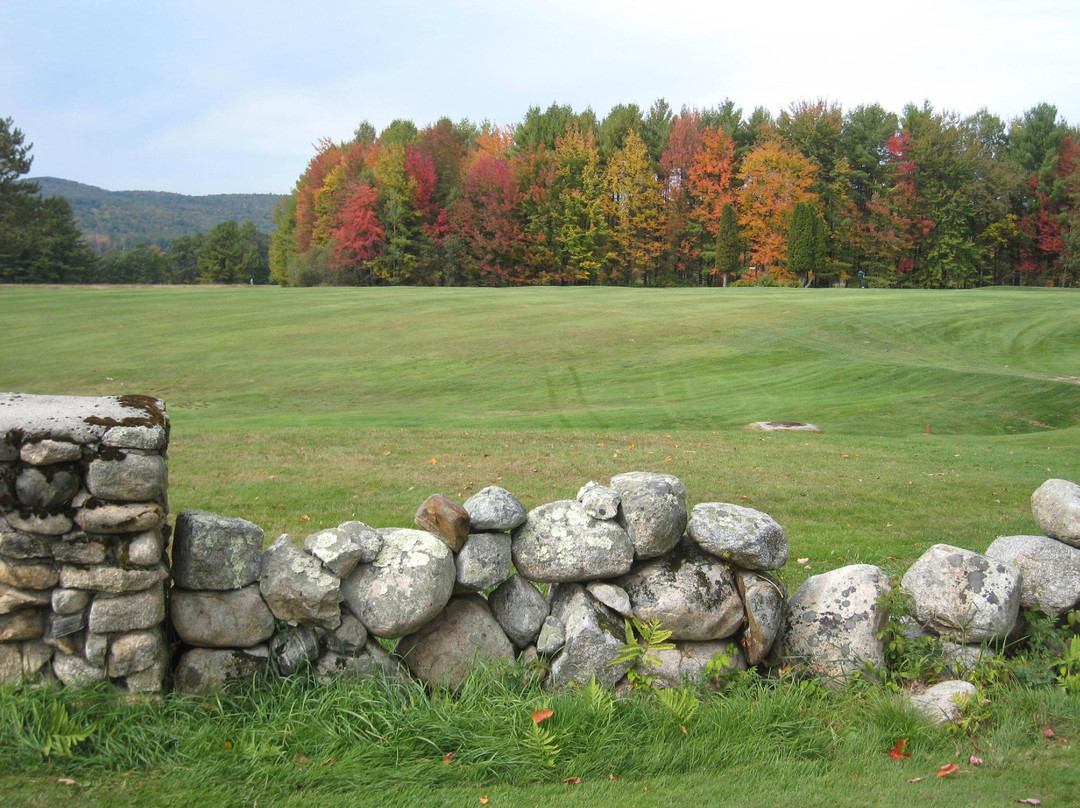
pixel 41 243
pixel 812 196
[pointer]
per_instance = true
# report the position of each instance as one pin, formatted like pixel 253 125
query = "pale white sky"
pixel 229 96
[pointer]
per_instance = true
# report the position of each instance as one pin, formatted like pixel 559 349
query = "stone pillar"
pixel 83 539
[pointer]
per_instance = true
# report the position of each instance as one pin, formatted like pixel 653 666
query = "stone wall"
pixel 82 572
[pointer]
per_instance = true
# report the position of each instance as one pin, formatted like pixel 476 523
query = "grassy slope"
pixel 357 403
pixel 329 404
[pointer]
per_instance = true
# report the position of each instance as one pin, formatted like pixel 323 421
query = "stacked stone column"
pixel 83 497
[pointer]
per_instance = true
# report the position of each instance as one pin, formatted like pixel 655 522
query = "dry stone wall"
pixel 86 593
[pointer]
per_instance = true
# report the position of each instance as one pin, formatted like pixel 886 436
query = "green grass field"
pixel 301 408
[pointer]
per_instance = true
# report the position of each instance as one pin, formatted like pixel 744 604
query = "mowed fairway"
pixel 301 408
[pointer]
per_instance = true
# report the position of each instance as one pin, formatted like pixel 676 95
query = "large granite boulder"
pixel 834 619
pixel 1050 571
pixel 1055 506
pixel 692 594
pixel 235 618
pixel 483 562
pixel 494 509
pixel 941 702
pixel 297 588
pixel 215 552
pixel 408 583
pixel 964 595
pixel 593 635
pixel 444 651
pixel 520 609
pixel 652 510
pixel 747 538
pixel 560 542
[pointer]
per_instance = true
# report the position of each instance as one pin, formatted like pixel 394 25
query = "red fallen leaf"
pixel 897 752
pixel 975 761
pixel 1048 733
pixel 947 769
pixel 1031 801
pixel 542 715
pixel 449 756
pixel 572 781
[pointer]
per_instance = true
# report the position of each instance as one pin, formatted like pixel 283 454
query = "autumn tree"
pixel 485 216
pixel 635 205
pixel 683 236
pixel 711 176
pixel 774 178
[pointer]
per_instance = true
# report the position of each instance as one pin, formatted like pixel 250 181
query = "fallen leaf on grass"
pixel 801 560
pixel 483 800
pixel 897 752
pixel 915 780
pixel 1031 801
pixel 542 715
pixel 613 778
pixel 1048 733
pixel 572 781
pixel 975 761
pixel 64 781
pixel 305 518
pixel 947 769
pixel 683 728
pixel 448 757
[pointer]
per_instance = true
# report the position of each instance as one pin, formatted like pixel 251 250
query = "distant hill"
pixel 125 218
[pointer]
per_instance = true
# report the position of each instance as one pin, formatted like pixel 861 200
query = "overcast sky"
pixel 229 96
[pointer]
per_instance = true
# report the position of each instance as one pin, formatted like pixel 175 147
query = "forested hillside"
pixel 815 195
pixel 121 219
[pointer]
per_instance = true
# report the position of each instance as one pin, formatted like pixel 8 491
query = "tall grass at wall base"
pixel 364 743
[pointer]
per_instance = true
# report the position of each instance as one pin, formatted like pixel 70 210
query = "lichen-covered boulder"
pixel 1050 571
pixel 494 509
pixel 612 596
pixel 652 510
pixel 593 636
pixel 520 609
pixel 1055 506
pixel 215 552
pixel 747 538
pixel 964 595
pixel 483 561
pixel 600 501
pixel 692 594
pixel 763 599
pixel 445 650
pixel 297 588
pixel 560 542
pixel 340 549
pixel 407 584
pixel 833 621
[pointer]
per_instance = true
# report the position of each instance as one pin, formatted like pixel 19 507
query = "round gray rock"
pixel 834 620
pixel 483 561
pixel 46 489
pixel 691 593
pixel 652 510
pixel 133 478
pixel 1055 505
pixel 464 636
pixel 1050 580
pixel 297 588
pixel 600 501
pixel 520 609
pixel 748 538
pixel 560 542
pixel 237 618
pixel 964 595
pixel 408 583
pixel 494 508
